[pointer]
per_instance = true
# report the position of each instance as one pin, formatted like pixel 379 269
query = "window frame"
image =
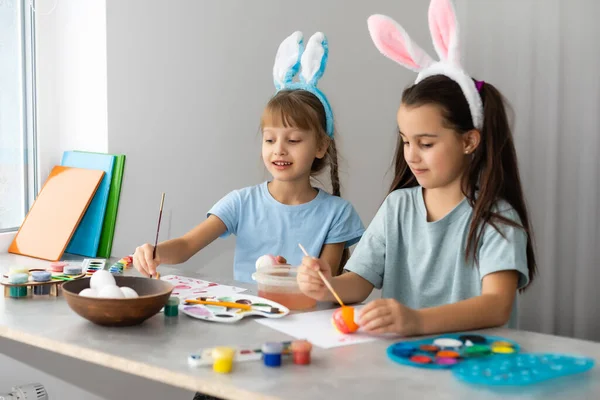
pixel 29 123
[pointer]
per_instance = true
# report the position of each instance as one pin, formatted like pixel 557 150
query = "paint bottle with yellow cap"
pixel 223 359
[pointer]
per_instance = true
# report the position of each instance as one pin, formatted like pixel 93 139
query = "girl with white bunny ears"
pixel 276 215
pixel 451 244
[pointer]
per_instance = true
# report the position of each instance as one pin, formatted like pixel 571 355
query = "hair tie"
pixel 479 85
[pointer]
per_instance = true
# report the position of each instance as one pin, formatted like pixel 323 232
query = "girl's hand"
pixel 309 280
pixel 389 316
pixel 143 261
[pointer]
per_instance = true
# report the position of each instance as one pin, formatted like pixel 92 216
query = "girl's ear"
pixel 323 146
pixel 471 141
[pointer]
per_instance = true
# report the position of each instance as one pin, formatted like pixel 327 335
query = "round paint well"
pixel 447 354
pixel 421 359
pixel 403 350
pixel 446 360
pixel 476 350
pixel 429 348
pixel 502 350
pixel 447 343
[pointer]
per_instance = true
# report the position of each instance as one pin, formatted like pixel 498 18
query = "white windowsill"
pixel 6 239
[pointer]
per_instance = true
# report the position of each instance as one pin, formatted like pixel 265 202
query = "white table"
pixel 158 350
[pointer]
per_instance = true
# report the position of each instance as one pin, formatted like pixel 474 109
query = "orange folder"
pixel 56 212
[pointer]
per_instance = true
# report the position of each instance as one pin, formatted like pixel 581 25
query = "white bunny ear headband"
pixel 292 55
pixel 393 42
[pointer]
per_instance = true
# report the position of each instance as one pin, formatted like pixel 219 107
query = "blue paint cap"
pixel 272 354
pixel 41 276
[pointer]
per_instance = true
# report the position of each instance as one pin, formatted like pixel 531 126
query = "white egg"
pixel 111 292
pixel 267 260
pixel 102 278
pixel 89 292
pixel 128 292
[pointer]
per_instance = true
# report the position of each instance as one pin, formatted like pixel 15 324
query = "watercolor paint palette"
pixel 231 315
pixel 91 265
pixel 118 267
pixel 450 350
pixel 204 356
pixel 521 369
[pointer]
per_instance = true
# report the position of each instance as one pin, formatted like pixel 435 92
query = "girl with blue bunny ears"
pixel 451 244
pixel 274 216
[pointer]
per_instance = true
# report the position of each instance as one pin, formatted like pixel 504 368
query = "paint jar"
pixel 72 270
pixel 278 284
pixel 223 359
pixel 301 351
pixel 15 269
pixel 272 354
pixel 41 276
pixel 57 266
pixel 18 278
pixel 172 307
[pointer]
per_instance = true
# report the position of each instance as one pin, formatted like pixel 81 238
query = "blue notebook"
pixel 86 238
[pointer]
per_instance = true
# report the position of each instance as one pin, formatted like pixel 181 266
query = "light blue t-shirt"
pixel 422 264
pixel 265 226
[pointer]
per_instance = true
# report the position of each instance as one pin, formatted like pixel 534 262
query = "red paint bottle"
pixel 301 351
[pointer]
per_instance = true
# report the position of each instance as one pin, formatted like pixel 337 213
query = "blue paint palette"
pixel 521 369
pixel 451 350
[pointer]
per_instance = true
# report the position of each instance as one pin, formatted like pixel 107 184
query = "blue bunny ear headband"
pixel 292 57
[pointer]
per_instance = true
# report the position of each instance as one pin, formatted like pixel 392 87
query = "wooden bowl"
pixel 153 295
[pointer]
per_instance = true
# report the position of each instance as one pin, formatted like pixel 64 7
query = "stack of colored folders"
pixel 76 209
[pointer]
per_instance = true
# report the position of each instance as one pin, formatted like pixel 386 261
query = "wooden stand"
pixel 54 285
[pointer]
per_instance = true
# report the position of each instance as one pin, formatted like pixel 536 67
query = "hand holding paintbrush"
pixel 324 279
pixel 343 317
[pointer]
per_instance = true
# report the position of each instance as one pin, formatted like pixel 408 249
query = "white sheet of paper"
pixel 316 327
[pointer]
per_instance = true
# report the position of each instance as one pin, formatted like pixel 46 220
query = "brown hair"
pixel 492 173
pixel 303 110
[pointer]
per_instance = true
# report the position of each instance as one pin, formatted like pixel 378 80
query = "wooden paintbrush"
pixel 249 307
pixel 325 281
pixel 162 202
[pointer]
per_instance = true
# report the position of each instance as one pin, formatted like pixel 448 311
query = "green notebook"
pixel 112 206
